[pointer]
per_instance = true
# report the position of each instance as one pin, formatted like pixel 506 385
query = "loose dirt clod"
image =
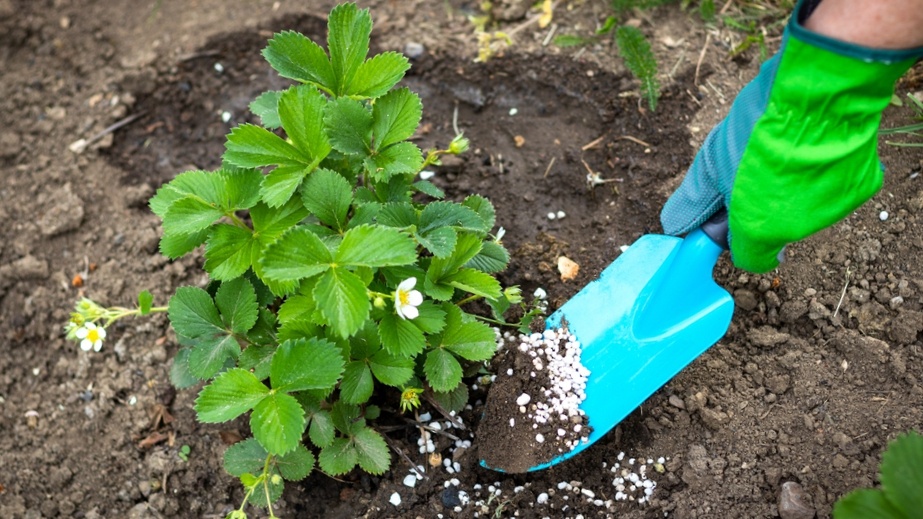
pixel 533 409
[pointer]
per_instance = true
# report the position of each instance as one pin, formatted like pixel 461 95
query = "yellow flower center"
pixel 93 335
pixel 404 297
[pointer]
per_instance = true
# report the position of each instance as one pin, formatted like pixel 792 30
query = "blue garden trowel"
pixel 651 312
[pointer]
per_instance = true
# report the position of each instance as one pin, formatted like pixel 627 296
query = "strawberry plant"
pixel 335 273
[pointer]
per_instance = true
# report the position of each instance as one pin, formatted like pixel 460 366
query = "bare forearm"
pixel 881 24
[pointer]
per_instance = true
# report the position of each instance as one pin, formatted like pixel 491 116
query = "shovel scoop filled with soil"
pixel 623 336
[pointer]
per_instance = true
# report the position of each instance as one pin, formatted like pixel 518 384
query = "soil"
pixel 819 370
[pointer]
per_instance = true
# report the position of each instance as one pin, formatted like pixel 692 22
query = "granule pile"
pixel 533 408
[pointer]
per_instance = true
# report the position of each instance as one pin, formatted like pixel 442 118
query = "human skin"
pixel 879 24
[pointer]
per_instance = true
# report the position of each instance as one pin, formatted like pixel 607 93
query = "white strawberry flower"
pixel 406 299
pixel 91 337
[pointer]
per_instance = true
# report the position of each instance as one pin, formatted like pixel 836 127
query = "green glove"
pixel 797 151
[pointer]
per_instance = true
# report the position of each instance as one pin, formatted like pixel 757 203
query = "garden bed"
pixel 819 369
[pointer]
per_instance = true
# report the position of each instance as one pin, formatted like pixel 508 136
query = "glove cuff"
pixel 796 29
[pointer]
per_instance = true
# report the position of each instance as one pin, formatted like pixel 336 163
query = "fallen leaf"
pixel 568 268
pixel 230 437
pixel 152 439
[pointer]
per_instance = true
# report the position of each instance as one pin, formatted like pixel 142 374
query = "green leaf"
pixel 296 465
pixel 400 337
pixel 357 384
pixel 236 301
pixel 256 359
pixel 246 456
pixel 376 75
pixel 444 213
pixel 269 223
pixel 471 340
pixel 338 458
pixel 249 146
pixel 442 370
pixel 297 308
pixel 230 395
pixel 296 57
pixel 229 251
pixel 901 476
pixel 437 290
pixel 391 370
pixel 440 241
pixel 346 301
pixel 866 504
pixel 189 215
pixel 431 319
pixel 492 258
pixel 483 208
pixel 321 430
pixel 239 189
pixel 349 126
pixel 467 247
pixel 454 400
pixel 264 331
pixel 210 354
pixel 397 159
pixel 372 412
pixel 196 183
pixel 363 214
pixel 346 417
pixel 266 107
pixel 366 342
pixel 428 188
pixel 475 282
pixel 328 195
pixel 175 245
pixel 259 495
pixel 193 314
pixel 349 29
pixel 301 109
pixel 180 375
pixel 145 300
pixel 277 423
pixel 398 214
pixel 395 116
pixel 306 364
pixel 376 246
pixel 374 456
pixel 298 254
pixel 280 184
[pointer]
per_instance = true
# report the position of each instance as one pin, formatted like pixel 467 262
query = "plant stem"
pixel 494 321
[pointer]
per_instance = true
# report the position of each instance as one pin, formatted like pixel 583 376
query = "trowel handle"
pixel 716 228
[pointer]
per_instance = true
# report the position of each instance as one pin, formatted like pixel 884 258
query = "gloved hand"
pixel 797 151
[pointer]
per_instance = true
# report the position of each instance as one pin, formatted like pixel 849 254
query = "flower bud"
pixel 458 145
pixel 379 302
pixel 513 295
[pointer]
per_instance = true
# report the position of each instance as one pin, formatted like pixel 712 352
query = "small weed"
pixel 910 129
pixel 632 45
pixel 184 452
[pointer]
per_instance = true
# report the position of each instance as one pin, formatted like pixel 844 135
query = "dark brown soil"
pixel 820 368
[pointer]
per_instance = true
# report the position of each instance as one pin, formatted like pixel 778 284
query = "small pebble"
pixel 883 215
